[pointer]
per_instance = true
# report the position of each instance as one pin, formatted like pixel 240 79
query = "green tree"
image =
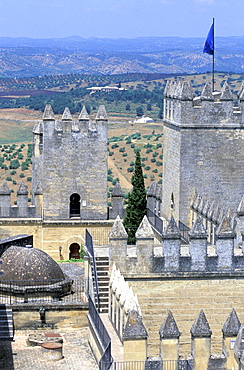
pixel 136 208
pixel 139 111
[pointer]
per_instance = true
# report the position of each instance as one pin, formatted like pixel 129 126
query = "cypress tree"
pixel 137 202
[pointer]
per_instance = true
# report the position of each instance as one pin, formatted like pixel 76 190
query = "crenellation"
pixel 208 109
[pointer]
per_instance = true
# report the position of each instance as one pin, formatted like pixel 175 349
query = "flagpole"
pixel 213 60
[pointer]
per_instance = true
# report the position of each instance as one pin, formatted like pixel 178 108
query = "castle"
pixel 197 285
pixel 202 189
pixel 69 186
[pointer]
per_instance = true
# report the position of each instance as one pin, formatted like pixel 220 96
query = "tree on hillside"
pixel 137 202
pixel 139 111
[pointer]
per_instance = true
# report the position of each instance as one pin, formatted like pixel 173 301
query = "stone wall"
pixel 74 161
pixel 202 138
pixel 50 236
pixel 185 298
pixel 58 318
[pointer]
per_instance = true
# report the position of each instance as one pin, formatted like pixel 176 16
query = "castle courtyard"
pixel 76 351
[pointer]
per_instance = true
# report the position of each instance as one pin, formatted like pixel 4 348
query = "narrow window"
pixel 74 205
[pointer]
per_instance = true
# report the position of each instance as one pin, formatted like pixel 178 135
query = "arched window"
pixel 74 251
pixel 74 205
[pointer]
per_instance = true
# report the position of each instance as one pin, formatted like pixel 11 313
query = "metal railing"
pixel 184 230
pixel 149 365
pixel 155 221
pixel 41 291
pixel 90 249
pixel 102 333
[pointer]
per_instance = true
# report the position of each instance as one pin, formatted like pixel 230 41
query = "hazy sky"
pixel 120 18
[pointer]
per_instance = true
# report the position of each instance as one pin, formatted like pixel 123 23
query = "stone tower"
pixel 203 148
pixel 70 166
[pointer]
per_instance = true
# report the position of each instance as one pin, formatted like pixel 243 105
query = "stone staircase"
pixel 6 323
pixel 102 264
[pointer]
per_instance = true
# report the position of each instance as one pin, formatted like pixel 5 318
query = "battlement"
pixel 70 165
pixel 210 109
pixel 171 257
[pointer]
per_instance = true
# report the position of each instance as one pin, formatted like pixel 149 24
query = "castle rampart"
pixel 202 138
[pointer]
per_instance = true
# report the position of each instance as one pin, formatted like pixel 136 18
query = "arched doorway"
pixel 74 251
pixel 74 205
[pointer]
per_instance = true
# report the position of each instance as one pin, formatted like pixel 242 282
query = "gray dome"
pixel 23 263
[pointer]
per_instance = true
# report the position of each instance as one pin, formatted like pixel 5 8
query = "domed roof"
pixel 27 263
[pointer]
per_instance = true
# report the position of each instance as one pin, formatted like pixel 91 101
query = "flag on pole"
pixel 209 43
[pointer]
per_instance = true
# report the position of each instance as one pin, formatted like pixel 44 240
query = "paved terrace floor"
pixel 76 351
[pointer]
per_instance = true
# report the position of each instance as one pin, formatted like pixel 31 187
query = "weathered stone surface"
pixel 201 327
pixel 225 230
pixel 4 189
pixel 169 328
pixel 207 92
pixel 172 231
pixel 67 115
pixel 23 189
pixel 70 163
pixel 118 230
pixel 117 191
pixel 198 231
pixel 134 328
pixel 101 113
pixel 48 113
pixel 200 142
pixel 83 114
pixel 232 325
pixel 29 264
pixel 226 93
pixel 144 230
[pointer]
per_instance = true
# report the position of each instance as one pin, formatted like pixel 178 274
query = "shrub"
pixel 20 156
pixel 132 146
pixel 14 164
pixel 155 170
pixel 122 150
pixel 160 181
pixel 110 178
pixel 147 168
pixel 12 173
pixel 109 171
pixel 24 166
pixel 130 169
pixel 110 154
pixel 159 163
pixel 153 160
pixel 148 151
pixel 14 182
pixel 22 175
pixel 114 146
pixel 155 154
pixel 161 156
pixel 29 178
pixel 124 154
pixel 8 178
pixel 132 163
pixel 158 146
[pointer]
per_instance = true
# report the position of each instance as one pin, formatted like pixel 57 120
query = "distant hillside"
pixel 37 57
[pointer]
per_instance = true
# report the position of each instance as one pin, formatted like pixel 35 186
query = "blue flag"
pixel 209 43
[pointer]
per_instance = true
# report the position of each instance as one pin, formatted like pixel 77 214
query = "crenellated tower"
pixel 70 166
pixel 203 148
